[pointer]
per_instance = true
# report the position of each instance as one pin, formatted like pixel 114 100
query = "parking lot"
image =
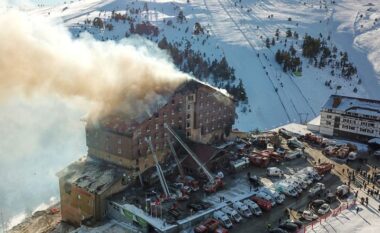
pixel 279 212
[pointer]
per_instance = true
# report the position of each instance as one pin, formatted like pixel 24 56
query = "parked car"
pixel 376 153
pixel 278 197
pixel 254 180
pixel 274 171
pixel 308 215
pixel 342 190
pixel 194 206
pixel 324 209
pixel 286 188
pixel 255 209
pixel 316 204
pixel 307 179
pixel 297 153
pixel 289 226
pixel 316 190
pixel 295 143
pixel 222 218
pixel 331 197
pixel 281 151
pixel 232 214
pixel 242 209
pixel 277 230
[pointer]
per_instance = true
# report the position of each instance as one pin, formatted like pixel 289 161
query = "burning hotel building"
pixel 118 153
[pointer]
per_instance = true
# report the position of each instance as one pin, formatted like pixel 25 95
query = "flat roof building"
pixel 351 118
pixel 84 186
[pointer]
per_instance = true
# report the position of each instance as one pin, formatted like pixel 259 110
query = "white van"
pixel 274 171
pixel 242 209
pixel 222 218
pixel 255 209
pixel 278 197
pixel 286 189
pixel 232 214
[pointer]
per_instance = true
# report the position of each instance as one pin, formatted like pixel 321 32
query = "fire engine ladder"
pixel 176 158
pixel 160 173
pixel 191 153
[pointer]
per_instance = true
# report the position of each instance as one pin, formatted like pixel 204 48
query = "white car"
pixel 324 209
pixel 308 215
pixel 274 171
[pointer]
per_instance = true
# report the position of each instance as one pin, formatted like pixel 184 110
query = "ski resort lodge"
pixel 120 149
pixel 351 118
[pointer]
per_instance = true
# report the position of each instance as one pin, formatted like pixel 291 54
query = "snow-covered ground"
pixel 366 220
pixel 237 32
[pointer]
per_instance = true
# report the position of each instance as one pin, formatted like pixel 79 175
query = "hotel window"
pixel 119 150
pixel 328 116
pixel 156 126
pixel 119 141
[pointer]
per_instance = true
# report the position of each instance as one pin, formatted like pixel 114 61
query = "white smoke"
pixel 37 56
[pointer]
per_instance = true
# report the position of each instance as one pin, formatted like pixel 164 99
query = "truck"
pixel 242 209
pixel 265 196
pixel 222 218
pixel 314 139
pixel 210 226
pixel 259 160
pixel 232 214
pixel 263 203
pixel 255 209
pixel 323 168
pixel 239 163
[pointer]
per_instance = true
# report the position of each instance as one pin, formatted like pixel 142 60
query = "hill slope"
pixel 237 30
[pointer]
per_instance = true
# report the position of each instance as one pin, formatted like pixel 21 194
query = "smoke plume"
pixel 37 56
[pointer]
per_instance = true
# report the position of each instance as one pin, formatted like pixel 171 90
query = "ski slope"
pixel 238 30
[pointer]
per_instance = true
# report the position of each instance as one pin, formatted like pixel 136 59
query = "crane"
pixel 180 169
pixel 158 167
pixel 213 183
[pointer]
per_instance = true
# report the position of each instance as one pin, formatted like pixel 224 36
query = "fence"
pixel 332 213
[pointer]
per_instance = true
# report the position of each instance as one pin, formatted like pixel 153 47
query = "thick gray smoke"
pixel 37 56
pixel 44 77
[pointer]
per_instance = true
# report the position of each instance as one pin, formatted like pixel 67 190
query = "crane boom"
pixel 191 153
pixel 176 158
pixel 158 167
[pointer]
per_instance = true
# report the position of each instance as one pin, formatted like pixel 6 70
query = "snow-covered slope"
pixel 238 29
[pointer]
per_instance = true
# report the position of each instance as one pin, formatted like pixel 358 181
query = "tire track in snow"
pixel 242 13
pixel 253 48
